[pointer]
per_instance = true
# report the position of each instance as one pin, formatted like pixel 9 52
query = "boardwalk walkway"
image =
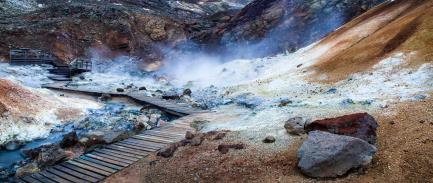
pixel 167 106
pixel 100 163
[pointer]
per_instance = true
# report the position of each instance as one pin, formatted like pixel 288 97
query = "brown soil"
pixel 405 146
pixel 14 98
pixel 407 29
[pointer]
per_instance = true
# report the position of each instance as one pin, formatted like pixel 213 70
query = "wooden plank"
pixel 90 168
pixel 136 147
pixel 115 162
pixel 178 136
pixel 141 145
pixel 76 173
pixel 83 171
pixel 101 167
pixel 117 155
pixel 127 162
pixel 54 177
pixel 19 180
pixel 29 179
pixel 165 137
pixel 152 144
pixel 127 150
pixel 149 140
pixel 163 133
pixel 42 178
pixel 154 139
pixel 101 163
pixel 66 176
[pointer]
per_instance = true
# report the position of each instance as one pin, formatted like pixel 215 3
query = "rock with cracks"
pixel 327 155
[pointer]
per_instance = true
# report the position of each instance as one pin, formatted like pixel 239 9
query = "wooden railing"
pixel 81 65
pixel 29 56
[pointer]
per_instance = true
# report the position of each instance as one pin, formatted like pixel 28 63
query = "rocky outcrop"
pixel 271 26
pixel 360 125
pixel 70 30
pixel 325 155
pixel 107 28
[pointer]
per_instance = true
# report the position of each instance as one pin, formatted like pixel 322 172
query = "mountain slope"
pixel 394 27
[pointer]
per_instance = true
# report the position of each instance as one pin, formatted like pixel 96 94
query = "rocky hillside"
pixel 392 28
pixel 108 28
pixel 279 25
pixel 72 29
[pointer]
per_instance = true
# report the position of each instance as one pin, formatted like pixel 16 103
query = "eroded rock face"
pixel 360 125
pixel 325 155
pixel 279 25
pixel 79 29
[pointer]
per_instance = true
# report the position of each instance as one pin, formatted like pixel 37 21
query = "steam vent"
pixel 181 91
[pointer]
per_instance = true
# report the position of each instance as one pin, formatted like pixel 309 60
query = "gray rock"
pixel 167 151
pixel 50 155
pixel 197 140
pixel 142 88
pixel 104 137
pixel 28 169
pixel 326 155
pixel 295 126
pixel 189 135
pixel 269 139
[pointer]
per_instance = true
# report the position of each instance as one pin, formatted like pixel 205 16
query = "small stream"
pixel 10 158
pixel 114 115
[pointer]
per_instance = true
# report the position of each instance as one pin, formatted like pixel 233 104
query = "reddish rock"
pixel 224 148
pixel 360 125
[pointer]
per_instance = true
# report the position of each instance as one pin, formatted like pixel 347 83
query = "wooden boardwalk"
pixel 167 106
pixel 100 163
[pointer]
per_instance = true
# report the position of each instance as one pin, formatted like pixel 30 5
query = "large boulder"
pixel 327 155
pixel 360 125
